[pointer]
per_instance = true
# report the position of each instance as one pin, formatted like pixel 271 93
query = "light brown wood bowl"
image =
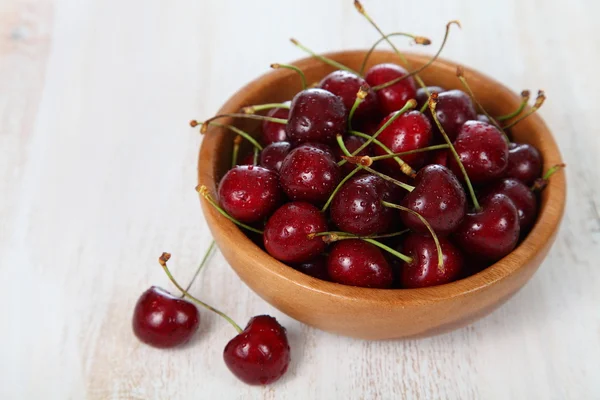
pixel 378 313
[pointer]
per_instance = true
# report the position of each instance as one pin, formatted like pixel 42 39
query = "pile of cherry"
pixel 367 179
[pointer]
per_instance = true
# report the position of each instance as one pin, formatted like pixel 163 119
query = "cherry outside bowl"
pixel 380 313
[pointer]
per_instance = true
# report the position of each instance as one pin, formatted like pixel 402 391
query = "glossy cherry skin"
pixel 345 85
pixel 272 156
pixel 163 320
pixel 410 131
pixel 357 208
pixel 260 354
pixel 357 263
pixel 309 174
pixel 524 163
pixel 394 97
pixel 250 193
pixel 317 268
pixel 423 270
pixel 492 232
pixel 273 132
pixel 316 115
pixel 352 143
pixel 453 109
pixel 422 97
pixel 521 195
pixel 439 198
pixel 482 150
pixel 286 232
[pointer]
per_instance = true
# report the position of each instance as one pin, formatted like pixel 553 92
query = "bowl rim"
pixel 547 223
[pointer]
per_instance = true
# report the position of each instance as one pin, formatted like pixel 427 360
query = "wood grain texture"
pixel 97 170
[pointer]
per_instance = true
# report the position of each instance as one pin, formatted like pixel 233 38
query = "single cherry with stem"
pixel 522 197
pixel 358 263
pixel 203 191
pixel 348 86
pixel 393 97
pixel 453 109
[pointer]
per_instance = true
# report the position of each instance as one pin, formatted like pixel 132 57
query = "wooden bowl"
pixel 380 313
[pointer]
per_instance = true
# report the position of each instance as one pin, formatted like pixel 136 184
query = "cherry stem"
pixel 329 237
pixel 404 167
pixel 427 225
pixel 427 64
pixel 293 68
pixel 539 100
pixel 326 60
pixel 240 132
pixel 460 73
pixel 363 91
pixel 260 107
pixel 409 152
pixel 255 157
pixel 163 263
pixel 401 256
pixel 418 40
pixel 525 99
pixel 237 141
pixel 541 183
pixel 338 187
pixel 203 191
pixel 334 236
pixel 432 105
pixel 211 246
pixel 204 127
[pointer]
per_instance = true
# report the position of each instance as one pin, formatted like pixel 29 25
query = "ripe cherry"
pixel 345 85
pixel 453 109
pixel 394 97
pixel 439 198
pixel 352 143
pixel 309 174
pixel 439 157
pixel 524 163
pixel 357 263
pixel 250 193
pixel 272 156
pixel 357 208
pixel 247 160
pixel 316 115
pixel 521 195
pixel 423 270
pixel 422 97
pixel 483 151
pixel 491 232
pixel 163 320
pixel 273 132
pixel 317 268
pixel 286 232
pixel 260 354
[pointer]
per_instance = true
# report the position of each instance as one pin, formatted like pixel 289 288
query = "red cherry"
pixel 317 268
pixel 410 131
pixel 492 232
pixel 422 97
pixel 482 150
pixel 352 143
pixel 524 163
pixel 522 197
pixel 394 97
pixel 439 157
pixel 286 232
pixel 345 85
pixel 272 156
pixel 357 263
pixel 424 271
pixel 453 109
pixel 438 197
pixel 247 160
pixel 316 115
pixel 357 208
pixel 250 193
pixel 163 320
pixel 260 354
pixel 273 132
pixel 309 174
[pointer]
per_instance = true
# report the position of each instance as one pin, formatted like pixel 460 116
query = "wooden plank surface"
pixel 97 170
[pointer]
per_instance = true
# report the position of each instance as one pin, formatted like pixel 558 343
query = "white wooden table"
pixel 98 167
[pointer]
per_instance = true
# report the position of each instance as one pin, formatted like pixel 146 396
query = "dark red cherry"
pixel 394 97
pixel 524 163
pixel 439 157
pixel 286 232
pixel 247 160
pixel 163 320
pixel 250 193
pixel 316 115
pixel 345 85
pixel 357 263
pixel 271 157
pixel 410 131
pixel 521 195
pixel 352 143
pixel 453 109
pixel 482 150
pixel 422 97
pixel 317 268
pixel 439 198
pixel 492 232
pixel 357 208
pixel 309 174
pixel 273 132
pixel 423 271
pixel 260 354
